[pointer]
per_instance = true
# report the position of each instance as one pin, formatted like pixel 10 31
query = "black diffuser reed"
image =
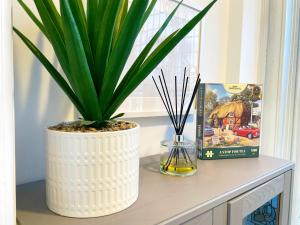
pixel 178 117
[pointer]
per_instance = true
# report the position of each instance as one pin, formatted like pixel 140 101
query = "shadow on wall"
pixel 38 103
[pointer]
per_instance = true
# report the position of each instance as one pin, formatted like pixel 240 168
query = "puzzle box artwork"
pixel 228 120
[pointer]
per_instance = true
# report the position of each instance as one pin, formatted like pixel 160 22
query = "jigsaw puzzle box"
pixel 228 120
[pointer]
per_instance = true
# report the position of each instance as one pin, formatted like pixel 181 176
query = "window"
pixel 145 98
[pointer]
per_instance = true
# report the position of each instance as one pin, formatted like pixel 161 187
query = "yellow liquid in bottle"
pixel 179 168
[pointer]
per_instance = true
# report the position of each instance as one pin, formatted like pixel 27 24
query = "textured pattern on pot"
pixel 92 174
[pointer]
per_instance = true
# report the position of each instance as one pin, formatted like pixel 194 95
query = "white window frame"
pixel 7 128
pixel 280 77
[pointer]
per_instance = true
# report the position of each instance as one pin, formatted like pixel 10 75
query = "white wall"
pixel 39 102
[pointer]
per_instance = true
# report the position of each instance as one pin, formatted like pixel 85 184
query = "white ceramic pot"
pixel 92 174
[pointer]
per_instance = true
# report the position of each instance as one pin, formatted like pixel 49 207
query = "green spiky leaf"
pixel 93 46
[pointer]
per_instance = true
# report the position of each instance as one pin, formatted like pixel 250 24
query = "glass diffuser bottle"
pixel 178 156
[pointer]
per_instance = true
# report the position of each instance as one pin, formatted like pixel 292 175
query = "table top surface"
pixel 163 198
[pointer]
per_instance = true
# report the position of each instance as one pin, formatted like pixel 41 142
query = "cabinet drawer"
pixel 203 219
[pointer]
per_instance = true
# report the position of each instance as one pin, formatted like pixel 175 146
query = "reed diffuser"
pixel 178 156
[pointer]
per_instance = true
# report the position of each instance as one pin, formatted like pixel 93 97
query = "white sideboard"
pixel 223 192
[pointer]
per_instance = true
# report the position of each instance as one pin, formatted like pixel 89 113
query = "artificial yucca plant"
pixel 92 45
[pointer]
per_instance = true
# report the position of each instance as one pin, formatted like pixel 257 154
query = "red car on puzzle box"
pixel 247 131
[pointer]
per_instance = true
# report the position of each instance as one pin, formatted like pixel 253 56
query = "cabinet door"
pixel 220 214
pixel 267 204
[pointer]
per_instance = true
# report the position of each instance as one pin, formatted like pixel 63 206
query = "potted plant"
pixel 92 165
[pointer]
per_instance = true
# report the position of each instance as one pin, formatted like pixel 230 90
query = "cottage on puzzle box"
pixel 228 120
